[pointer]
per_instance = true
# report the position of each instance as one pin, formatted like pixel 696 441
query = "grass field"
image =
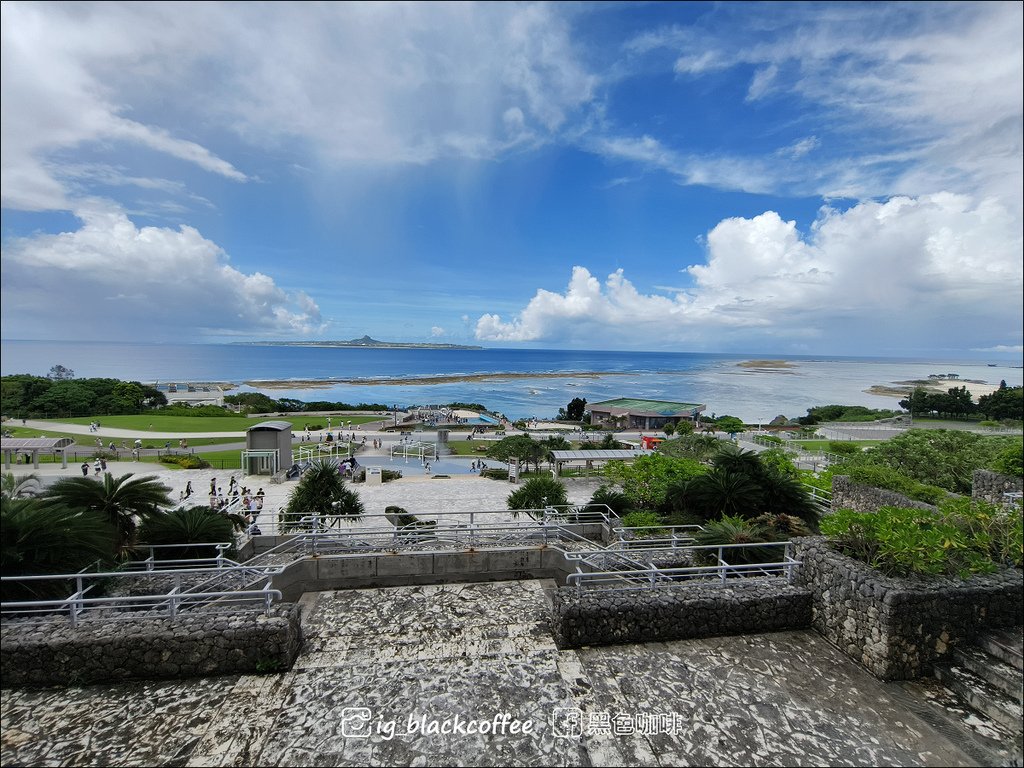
pixel 822 445
pixel 199 424
pixel 89 440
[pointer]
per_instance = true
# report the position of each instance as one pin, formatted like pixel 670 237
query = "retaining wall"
pixel 990 486
pixel 603 618
pixel 899 627
pixel 191 645
pixel 847 494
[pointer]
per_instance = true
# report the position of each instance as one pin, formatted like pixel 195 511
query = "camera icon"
pixel 355 722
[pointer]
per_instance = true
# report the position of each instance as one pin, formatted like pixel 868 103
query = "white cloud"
pixel 436 331
pixel 351 83
pixel 57 94
pixel 924 97
pixel 878 276
pixel 111 279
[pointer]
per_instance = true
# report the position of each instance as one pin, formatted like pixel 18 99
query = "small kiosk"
pixel 268 448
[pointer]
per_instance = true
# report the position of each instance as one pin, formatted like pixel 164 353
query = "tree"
pixel 517 448
pixel 669 429
pixel 37 539
pixel 575 409
pixel 1004 403
pixel 321 491
pixel 616 501
pixel 60 373
pixel 730 424
pixel 119 501
pixel 646 480
pixel 692 446
pixel 538 493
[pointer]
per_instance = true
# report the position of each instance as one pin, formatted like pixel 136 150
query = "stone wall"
pixel 603 618
pixel 847 494
pixel 990 486
pixel 190 645
pixel 899 627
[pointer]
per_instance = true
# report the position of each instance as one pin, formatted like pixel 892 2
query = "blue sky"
pixel 779 178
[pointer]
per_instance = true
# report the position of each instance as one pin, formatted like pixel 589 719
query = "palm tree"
pixel 322 492
pixel 37 538
pixel 119 500
pixel 20 486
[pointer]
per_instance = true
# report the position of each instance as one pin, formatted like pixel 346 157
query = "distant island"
pixel 365 341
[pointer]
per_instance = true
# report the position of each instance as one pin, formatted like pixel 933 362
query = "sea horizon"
pixel 714 379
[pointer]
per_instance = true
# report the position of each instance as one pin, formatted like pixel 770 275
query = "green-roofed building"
pixel 630 413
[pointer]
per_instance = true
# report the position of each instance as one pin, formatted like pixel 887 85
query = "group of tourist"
pixel 100 466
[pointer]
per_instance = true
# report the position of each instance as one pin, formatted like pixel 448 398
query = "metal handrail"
pixel 721 574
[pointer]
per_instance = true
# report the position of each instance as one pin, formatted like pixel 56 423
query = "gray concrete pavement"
pixel 381 666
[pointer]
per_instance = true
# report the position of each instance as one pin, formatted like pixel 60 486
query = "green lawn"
pixel 822 445
pixel 89 440
pixel 158 423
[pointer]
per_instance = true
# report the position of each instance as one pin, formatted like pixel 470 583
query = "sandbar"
pixel 976 387
pixel 767 365
pixel 420 380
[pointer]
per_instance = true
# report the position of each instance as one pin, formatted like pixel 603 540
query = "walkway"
pixel 378 659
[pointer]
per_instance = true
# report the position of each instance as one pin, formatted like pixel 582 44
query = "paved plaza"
pixel 382 666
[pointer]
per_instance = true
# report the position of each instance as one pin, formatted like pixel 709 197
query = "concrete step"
pixel 1007 645
pixel 992 670
pixel 986 699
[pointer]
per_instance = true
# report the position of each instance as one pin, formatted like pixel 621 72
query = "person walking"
pixel 85 469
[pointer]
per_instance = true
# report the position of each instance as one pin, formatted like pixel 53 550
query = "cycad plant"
pixel 20 486
pixel 736 530
pixel 321 491
pixel 38 539
pixel 537 493
pixel 118 500
pixel 192 525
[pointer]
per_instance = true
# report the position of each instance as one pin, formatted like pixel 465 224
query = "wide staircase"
pixel 988 675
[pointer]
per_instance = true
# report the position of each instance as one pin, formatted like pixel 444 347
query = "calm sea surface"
pixel 713 379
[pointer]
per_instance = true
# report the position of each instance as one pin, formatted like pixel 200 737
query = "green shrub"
pixel 902 541
pixel 189 461
pixel 494 474
pixel 772 439
pixel 643 519
pixel 1010 461
pixel 893 480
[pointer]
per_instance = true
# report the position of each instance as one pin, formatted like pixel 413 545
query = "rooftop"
pixel 659 407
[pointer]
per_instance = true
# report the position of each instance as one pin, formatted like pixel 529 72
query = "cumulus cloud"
pixel 111 279
pixel 877 276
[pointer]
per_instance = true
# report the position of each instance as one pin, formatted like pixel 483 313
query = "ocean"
pixel 716 380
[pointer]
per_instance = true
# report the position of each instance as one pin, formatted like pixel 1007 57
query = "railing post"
pixel 721 567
